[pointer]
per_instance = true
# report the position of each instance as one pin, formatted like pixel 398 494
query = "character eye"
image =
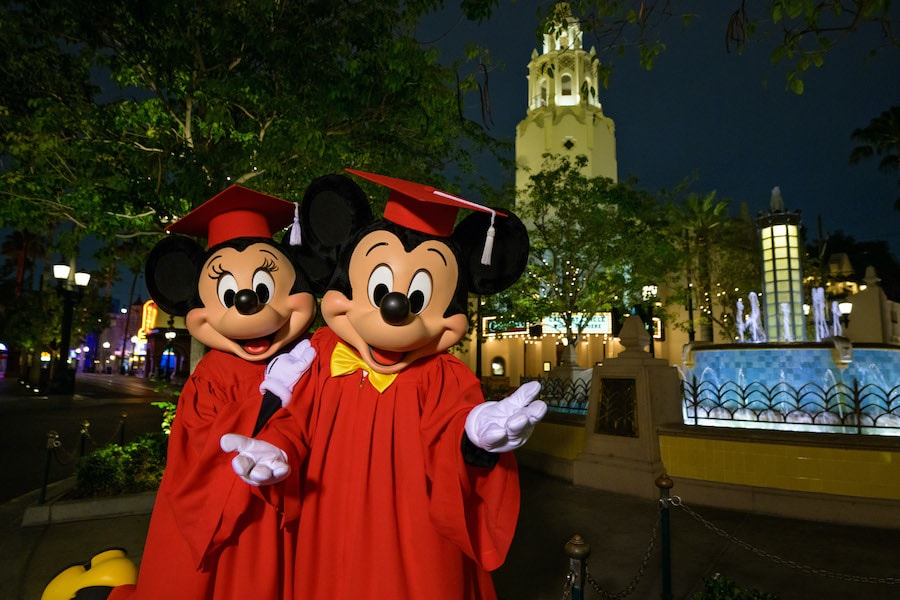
pixel 381 282
pixel 264 286
pixel 419 292
pixel 227 288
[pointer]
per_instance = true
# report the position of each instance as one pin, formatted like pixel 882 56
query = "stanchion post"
pixel 578 550
pixel 85 432
pixel 52 444
pixel 122 428
pixel 664 483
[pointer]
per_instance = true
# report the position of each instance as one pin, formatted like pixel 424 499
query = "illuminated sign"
pixel 598 324
pixel 148 319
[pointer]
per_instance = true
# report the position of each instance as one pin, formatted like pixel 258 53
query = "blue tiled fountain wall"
pixel 795 365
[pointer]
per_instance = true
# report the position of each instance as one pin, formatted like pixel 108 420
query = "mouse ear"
pixel 334 208
pixel 171 273
pixel 508 257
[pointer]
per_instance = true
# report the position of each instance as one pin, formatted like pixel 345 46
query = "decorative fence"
pixel 840 408
pixel 564 395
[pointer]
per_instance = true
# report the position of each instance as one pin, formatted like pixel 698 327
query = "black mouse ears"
pixel 506 261
pixel 171 273
pixel 334 208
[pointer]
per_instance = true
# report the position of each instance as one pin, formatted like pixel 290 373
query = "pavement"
pixel 794 559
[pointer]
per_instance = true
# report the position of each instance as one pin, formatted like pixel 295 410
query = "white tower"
pixel 564 114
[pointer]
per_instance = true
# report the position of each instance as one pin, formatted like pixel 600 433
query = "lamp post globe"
pixel 70 286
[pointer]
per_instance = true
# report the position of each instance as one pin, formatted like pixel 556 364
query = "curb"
pixel 63 511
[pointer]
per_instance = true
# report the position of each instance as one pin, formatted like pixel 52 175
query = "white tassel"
pixel 488 242
pixel 295 227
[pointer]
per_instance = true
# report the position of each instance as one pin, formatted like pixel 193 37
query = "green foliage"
pixel 202 94
pixel 168 408
pixel 594 245
pixel 31 320
pixel 714 248
pixel 719 587
pixel 881 139
pixel 115 470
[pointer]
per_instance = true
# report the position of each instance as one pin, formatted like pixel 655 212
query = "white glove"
pixel 258 462
pixel 285 370
pixel 507 424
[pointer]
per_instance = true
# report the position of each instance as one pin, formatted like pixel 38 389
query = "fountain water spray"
pixel 757 333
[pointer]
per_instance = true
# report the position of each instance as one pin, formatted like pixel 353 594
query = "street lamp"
pixel 169 352
pixel 845 308
pixel 70 287
pixel 105 357
pixel 648 295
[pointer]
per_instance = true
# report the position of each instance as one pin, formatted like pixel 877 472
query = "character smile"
pixel 386 358
pixel 257 345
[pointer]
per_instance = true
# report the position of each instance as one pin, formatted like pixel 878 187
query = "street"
pixel 101 400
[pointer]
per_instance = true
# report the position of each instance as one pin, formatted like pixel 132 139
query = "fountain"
pixel 818 302
pixel 780 381
pixel 757 332
pixel 786 321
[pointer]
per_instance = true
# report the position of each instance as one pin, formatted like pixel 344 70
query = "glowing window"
pixel 498 367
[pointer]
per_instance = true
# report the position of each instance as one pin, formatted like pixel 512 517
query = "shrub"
pixel 115 470
pixel 719 587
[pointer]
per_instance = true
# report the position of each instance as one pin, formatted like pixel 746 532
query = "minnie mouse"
pixel 398 472
pixel 247 299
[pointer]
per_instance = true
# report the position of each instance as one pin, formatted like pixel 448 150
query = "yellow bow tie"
pixel 345 361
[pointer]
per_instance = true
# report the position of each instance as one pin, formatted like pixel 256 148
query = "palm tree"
pixel 700 218
pixel 24 248
pixel 880 138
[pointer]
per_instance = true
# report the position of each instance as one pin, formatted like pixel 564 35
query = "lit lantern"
pixel 782 272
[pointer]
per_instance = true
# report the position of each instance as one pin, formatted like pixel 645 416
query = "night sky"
pixel 725 118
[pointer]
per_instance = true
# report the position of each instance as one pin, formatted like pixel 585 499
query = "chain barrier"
pixel 572 588
pixel 809 570
pixel 57 452
pixel 571 576
pixel 86 442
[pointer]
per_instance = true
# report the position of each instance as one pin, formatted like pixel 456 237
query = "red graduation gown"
pixel 387 507
pixel 210 537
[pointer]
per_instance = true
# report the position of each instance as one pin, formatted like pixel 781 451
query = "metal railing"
pixel 840 408
pixel 564 395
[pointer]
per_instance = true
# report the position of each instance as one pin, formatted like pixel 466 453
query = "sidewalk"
pixel 617 527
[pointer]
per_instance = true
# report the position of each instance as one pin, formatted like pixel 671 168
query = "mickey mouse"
pixel 398 472
pixel 248 300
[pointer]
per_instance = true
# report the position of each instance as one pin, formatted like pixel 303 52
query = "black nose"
pixel 247 302
pixel 394 308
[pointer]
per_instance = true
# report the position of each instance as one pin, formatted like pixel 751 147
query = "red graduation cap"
pixel 427 209
pixel 238 212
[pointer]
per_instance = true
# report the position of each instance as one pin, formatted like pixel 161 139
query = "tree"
pixel 202 94
pixel 720 264
pixel 594 245
pixel 880 138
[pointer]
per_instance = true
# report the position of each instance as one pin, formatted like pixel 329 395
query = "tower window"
pixel 569 144
pixel 566 85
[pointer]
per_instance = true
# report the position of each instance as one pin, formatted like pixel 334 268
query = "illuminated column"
pixel 782 273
